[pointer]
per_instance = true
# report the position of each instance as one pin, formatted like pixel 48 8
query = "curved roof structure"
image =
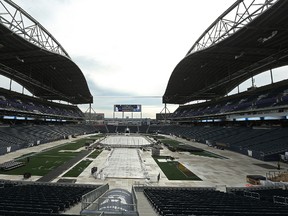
pixel 31 56
pixel 232 50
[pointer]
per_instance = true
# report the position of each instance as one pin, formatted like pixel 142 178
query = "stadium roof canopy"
pixel 31 56
pixel 249 38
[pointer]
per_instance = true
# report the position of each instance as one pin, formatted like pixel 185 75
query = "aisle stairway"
pixel 144 207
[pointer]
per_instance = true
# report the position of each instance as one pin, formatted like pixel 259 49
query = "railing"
pixel 280 200
pixel 252 195
pixel 89 198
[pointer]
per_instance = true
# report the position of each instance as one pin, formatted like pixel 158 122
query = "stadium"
pixel 224 155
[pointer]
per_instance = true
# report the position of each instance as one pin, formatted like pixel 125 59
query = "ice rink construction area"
pixel 126 141
pixel 123 163
pixel 124 159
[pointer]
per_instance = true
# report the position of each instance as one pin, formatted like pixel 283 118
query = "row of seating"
pixel 263 194
pixel 122 128
pixel 275 95
pixel 180 201
pixel 184 112
pixel 38 198
pixel 20 213
pixel 18 102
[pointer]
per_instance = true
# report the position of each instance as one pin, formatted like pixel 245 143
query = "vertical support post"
pixel 90 118
pixel 89 112
pixel 252 81
pixel 10 84
pixel 271 75
pixel 165 113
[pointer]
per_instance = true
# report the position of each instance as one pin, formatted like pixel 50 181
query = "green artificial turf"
pixel 78 169
pixel 158 136
pixel 43 162
pixel 208 154
pixel 94 154
pixel 172 171
pixel 170 142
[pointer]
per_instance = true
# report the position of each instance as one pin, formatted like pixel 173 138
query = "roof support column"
pixel 165 113
pixel 271 75
pixel 10 84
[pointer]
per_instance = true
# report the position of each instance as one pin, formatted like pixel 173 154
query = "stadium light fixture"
pixel 19 59
pixel 240 55
pixel 264 39
pixel 52 67
pixel 203 65
pixel 186 78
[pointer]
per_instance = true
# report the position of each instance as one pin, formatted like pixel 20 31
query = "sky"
pixel 126 49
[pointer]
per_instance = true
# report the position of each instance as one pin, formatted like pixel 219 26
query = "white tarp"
pixel 123 163
pixel 125 140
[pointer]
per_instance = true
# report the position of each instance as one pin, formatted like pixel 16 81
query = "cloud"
pixel 127 47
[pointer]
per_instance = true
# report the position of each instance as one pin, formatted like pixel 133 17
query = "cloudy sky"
pixel 127 49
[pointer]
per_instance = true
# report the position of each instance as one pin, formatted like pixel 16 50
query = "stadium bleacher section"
pixel 263 193
pixel 269 98
pixel 208 201
pixel 242 122
pixel 260 143
pixel 17 198
pixel 16 104
pixel 23 136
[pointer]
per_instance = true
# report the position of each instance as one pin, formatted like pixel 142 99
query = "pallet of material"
pixel 9 165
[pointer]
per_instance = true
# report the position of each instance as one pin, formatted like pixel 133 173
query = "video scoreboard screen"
pixel 127 108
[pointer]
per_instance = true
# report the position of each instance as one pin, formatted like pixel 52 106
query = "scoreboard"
pixel 127 108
